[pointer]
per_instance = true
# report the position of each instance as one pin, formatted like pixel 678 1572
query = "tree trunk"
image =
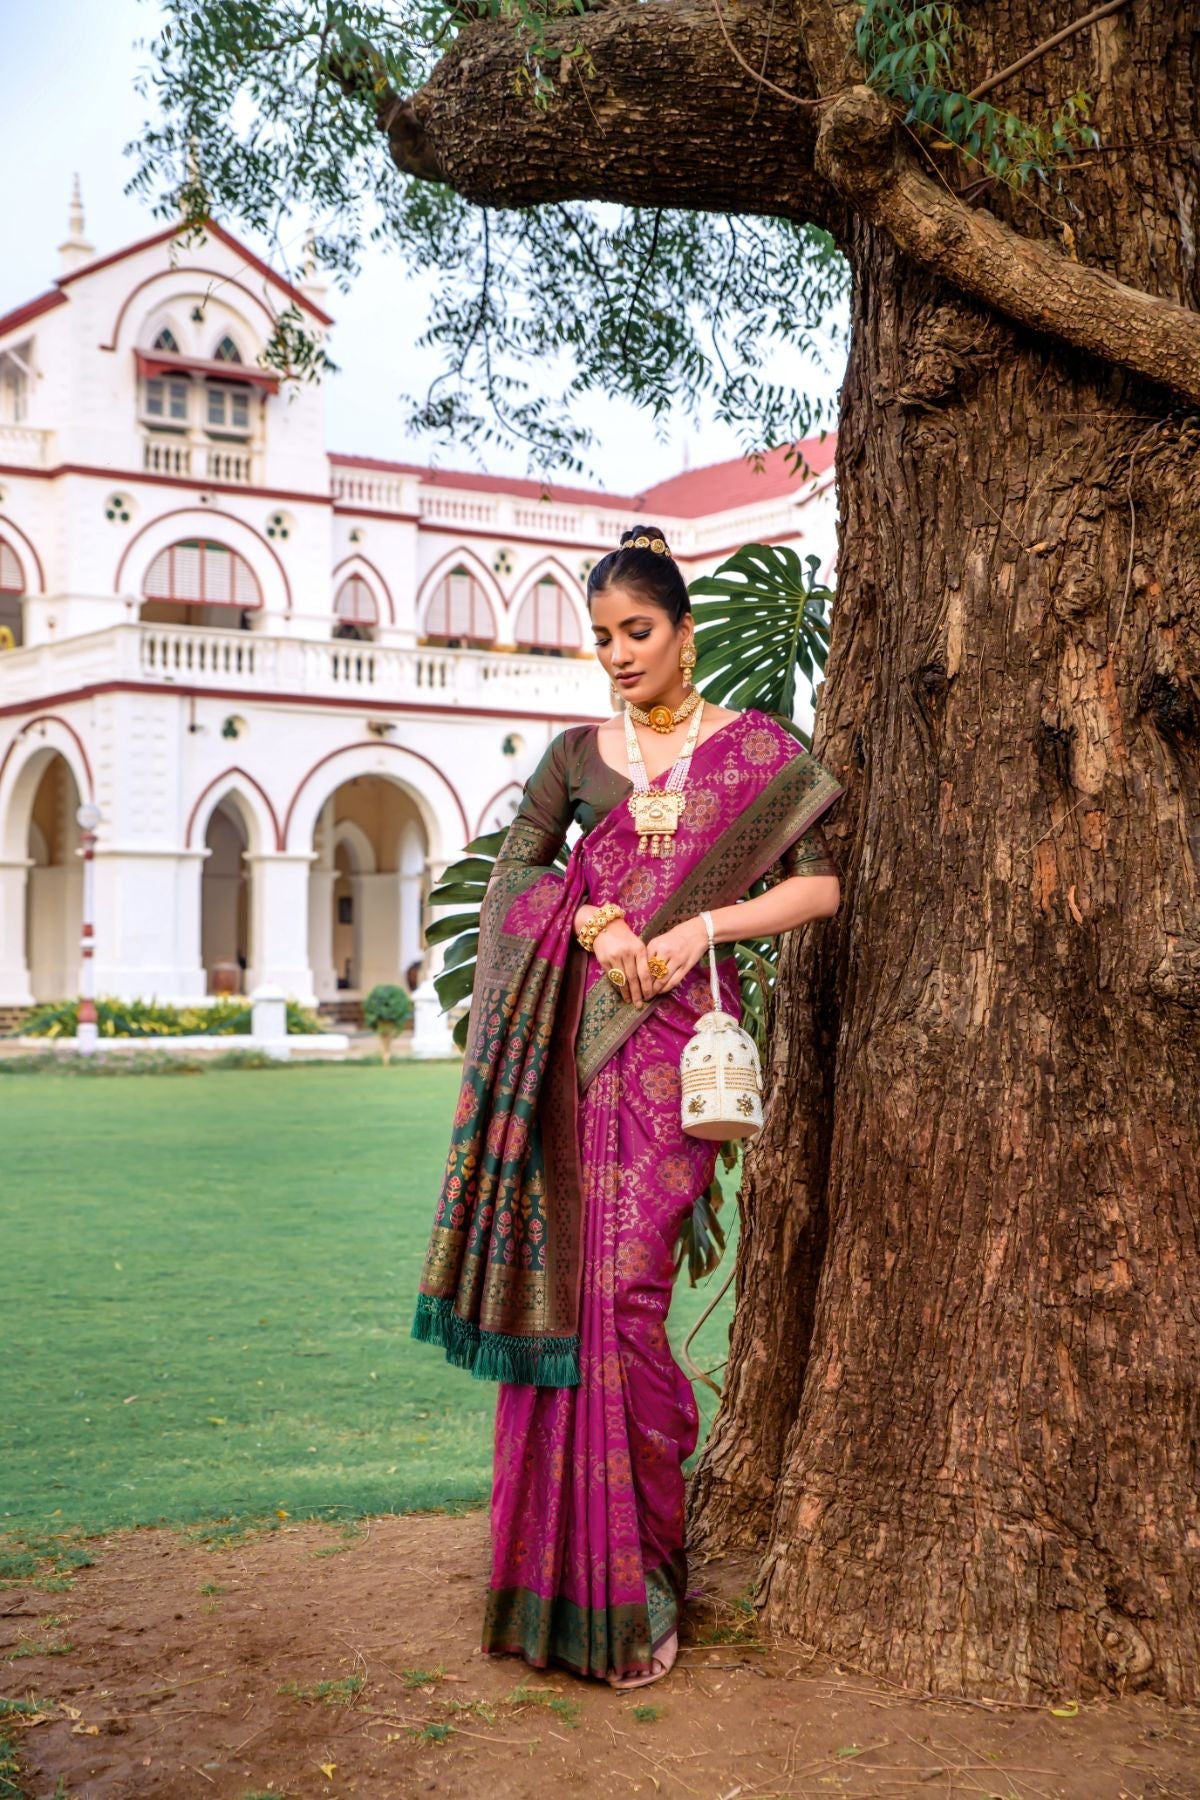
pixel 961 1410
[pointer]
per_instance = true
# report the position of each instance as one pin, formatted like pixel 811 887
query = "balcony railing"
pixel 245 662
pixel 232 464
pixel 25 447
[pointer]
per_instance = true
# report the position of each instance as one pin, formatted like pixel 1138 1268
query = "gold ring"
pixel 660 968
pixel 617 977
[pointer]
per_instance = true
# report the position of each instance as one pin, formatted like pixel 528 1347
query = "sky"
pixel 72 108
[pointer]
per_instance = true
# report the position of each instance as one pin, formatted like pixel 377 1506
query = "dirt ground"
pixel 315 1661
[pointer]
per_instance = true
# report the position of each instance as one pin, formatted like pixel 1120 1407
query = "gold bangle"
pixel 604 915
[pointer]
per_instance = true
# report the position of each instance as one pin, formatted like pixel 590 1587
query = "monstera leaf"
pixel 463 885
pixel 765 625
pixel 764 628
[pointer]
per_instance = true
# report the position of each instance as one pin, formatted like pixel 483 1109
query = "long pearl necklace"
pixel 656 811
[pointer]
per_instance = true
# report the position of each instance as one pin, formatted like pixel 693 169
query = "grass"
pixel 330 1693
pixel 207 1293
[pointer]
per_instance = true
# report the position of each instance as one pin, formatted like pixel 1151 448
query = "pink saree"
pixel 551 1261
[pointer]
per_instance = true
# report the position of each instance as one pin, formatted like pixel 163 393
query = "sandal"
pixel 661 1665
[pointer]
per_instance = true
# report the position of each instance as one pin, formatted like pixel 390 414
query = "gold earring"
pixel 687 662
pixel 616 698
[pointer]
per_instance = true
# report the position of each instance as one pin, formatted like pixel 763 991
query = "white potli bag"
pixel 720 1074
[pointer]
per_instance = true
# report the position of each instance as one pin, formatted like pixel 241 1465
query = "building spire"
pixel 75 249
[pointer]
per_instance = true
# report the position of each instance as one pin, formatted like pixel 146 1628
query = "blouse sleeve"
pixel 544 812
pixel 809 855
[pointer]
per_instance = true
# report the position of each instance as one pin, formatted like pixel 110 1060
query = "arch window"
pixel 12 576
pixel 166 340
pixel 12 587
pixel 355 612
pixel 460 612
pixel 199 576
pixel 227 351
pixel 546 620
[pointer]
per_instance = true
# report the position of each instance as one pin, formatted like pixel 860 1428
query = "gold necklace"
pixel 663 718
pixel 656 810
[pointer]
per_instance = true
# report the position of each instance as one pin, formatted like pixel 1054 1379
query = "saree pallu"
pixel 551 1261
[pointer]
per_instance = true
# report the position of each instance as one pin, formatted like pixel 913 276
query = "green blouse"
pixel 572 782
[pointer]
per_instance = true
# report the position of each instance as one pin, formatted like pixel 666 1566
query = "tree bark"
pixel 976 1472
pixel 961 1412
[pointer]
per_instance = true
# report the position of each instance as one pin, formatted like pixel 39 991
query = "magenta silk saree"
pixel 550 1264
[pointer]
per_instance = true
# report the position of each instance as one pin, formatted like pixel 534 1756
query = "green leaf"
pixel 765 619
pixel 462 949
pixel 453 985
pixel 438 930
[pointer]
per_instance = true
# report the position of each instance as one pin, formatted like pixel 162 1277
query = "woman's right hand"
pixel 618 947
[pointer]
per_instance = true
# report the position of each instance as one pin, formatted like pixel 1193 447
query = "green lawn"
pixel 207 1287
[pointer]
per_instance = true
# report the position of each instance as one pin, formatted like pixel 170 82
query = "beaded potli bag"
pixel 720 1074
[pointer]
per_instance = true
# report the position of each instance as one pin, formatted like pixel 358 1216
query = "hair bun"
pixel 646 537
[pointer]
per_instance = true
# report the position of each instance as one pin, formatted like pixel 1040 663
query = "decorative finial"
pixel 75 226
pixel 75 250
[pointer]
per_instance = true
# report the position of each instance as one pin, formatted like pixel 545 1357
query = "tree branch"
pixel 665 122
pixel 1030 282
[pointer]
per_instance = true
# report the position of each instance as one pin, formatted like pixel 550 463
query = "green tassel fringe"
pixel 495 1355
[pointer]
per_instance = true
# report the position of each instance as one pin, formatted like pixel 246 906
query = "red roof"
pixel 30 310
pixel 721 486
pixel 692 494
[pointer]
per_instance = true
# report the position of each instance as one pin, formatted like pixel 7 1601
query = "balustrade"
pixel 250 662
pixel 25 447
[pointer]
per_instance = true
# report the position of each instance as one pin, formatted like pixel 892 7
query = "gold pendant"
pixel 662 718
pixel 656 816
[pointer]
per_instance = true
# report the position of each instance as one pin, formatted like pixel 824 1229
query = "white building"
pixel 294 683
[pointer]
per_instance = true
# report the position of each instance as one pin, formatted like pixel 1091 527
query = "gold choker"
pixel 664 718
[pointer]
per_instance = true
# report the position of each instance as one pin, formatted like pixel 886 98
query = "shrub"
pixel 387 1010
pixel 228 1016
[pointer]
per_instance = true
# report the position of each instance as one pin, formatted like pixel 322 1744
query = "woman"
pixel 569 1174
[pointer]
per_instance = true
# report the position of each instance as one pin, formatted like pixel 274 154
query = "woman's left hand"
pixel 681 948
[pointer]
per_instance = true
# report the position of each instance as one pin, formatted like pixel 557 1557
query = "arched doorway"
pixel 225 914
pixel 367 888
pixel 54 887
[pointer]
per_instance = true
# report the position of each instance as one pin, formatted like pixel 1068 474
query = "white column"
pixel 412 895
pixel 320 907
pixel 14 968
pixel 147 924
pixel 55 912
pixel 377 923
pixel 432 1030
pixel 320 931
pixel 279 881
pixel 435 954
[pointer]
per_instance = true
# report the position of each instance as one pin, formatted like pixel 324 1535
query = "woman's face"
pixel 638 646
